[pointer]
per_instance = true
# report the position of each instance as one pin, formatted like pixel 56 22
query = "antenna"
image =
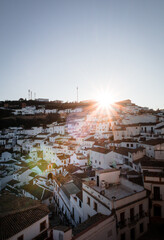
pixel 29 94
pixel 77 93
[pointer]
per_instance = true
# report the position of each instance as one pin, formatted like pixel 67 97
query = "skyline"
pixel 52 47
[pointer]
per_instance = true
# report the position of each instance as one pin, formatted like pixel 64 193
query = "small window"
pixel 20 238
pixel 88 201
pixel 42 226
pixel 95 206
pixel 79 203
pixel 79 219
pixel 141 228
pixel 89 216
pixel 99 163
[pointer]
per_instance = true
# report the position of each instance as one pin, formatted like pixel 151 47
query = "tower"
pixel 29 94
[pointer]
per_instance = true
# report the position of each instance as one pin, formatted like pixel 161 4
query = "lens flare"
pixel 105 100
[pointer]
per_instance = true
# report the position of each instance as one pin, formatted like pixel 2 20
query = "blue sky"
pixel 52 46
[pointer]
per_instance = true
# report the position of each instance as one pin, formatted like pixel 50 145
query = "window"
pixel 132 145
pixel 88 201
pixel 73 212
pixel 20 238
pixel 156 193
pixel 132 214
pixel 122 236
pixel 79 203
pixel 89 216
pixel 97 181
pixel 157 211
pixel 79 219
pixel 95 206
pixel 122 217
pixel 127 144
pixel 95 161
pixel 140 210
pixel 99 163
pixel 141 228
pixel 42 226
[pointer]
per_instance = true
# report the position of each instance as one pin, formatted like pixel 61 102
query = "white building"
pixel 154 148
pixel 110 193
pixel 78 159
pixel 154 183
pixel 23 218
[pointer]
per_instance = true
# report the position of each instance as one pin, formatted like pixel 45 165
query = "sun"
pixel 105 99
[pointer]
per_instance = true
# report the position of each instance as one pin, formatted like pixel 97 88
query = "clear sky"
pixel 53 46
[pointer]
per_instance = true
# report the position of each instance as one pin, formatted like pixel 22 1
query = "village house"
pixel 61 159
pixel 112 193
pixel 153 176
pixel 64 187
pixel 22 175
pixel 97 227
pixel 38 191
pixel 154 148
pixel 101 157
pixel 23 218
pixel 78 159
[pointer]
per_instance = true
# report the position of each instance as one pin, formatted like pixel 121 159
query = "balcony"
pixel 133 220
pixel 157 197
pixel 142 214
pixel 122 224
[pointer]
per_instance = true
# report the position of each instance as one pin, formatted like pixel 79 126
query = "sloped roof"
pixel 13 182
pixel 154 142
pixel 125 151
pixel 70 188
pixel 101 150
pixel 153 174
pixel 149 162
pixel 16 222
pixel 88 224
pixel 38 192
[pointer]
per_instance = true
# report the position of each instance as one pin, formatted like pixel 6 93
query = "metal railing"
pixel 141 214
pixel 157 197
pixel 133 220
pixel 122 224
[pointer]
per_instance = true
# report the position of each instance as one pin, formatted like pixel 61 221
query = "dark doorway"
pixel 157 211
pixel 50 176
pixel 132 234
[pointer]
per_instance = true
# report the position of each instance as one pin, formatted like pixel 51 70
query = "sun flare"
pixel 105 100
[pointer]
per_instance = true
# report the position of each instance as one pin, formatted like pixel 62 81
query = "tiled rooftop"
pixel 18 213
